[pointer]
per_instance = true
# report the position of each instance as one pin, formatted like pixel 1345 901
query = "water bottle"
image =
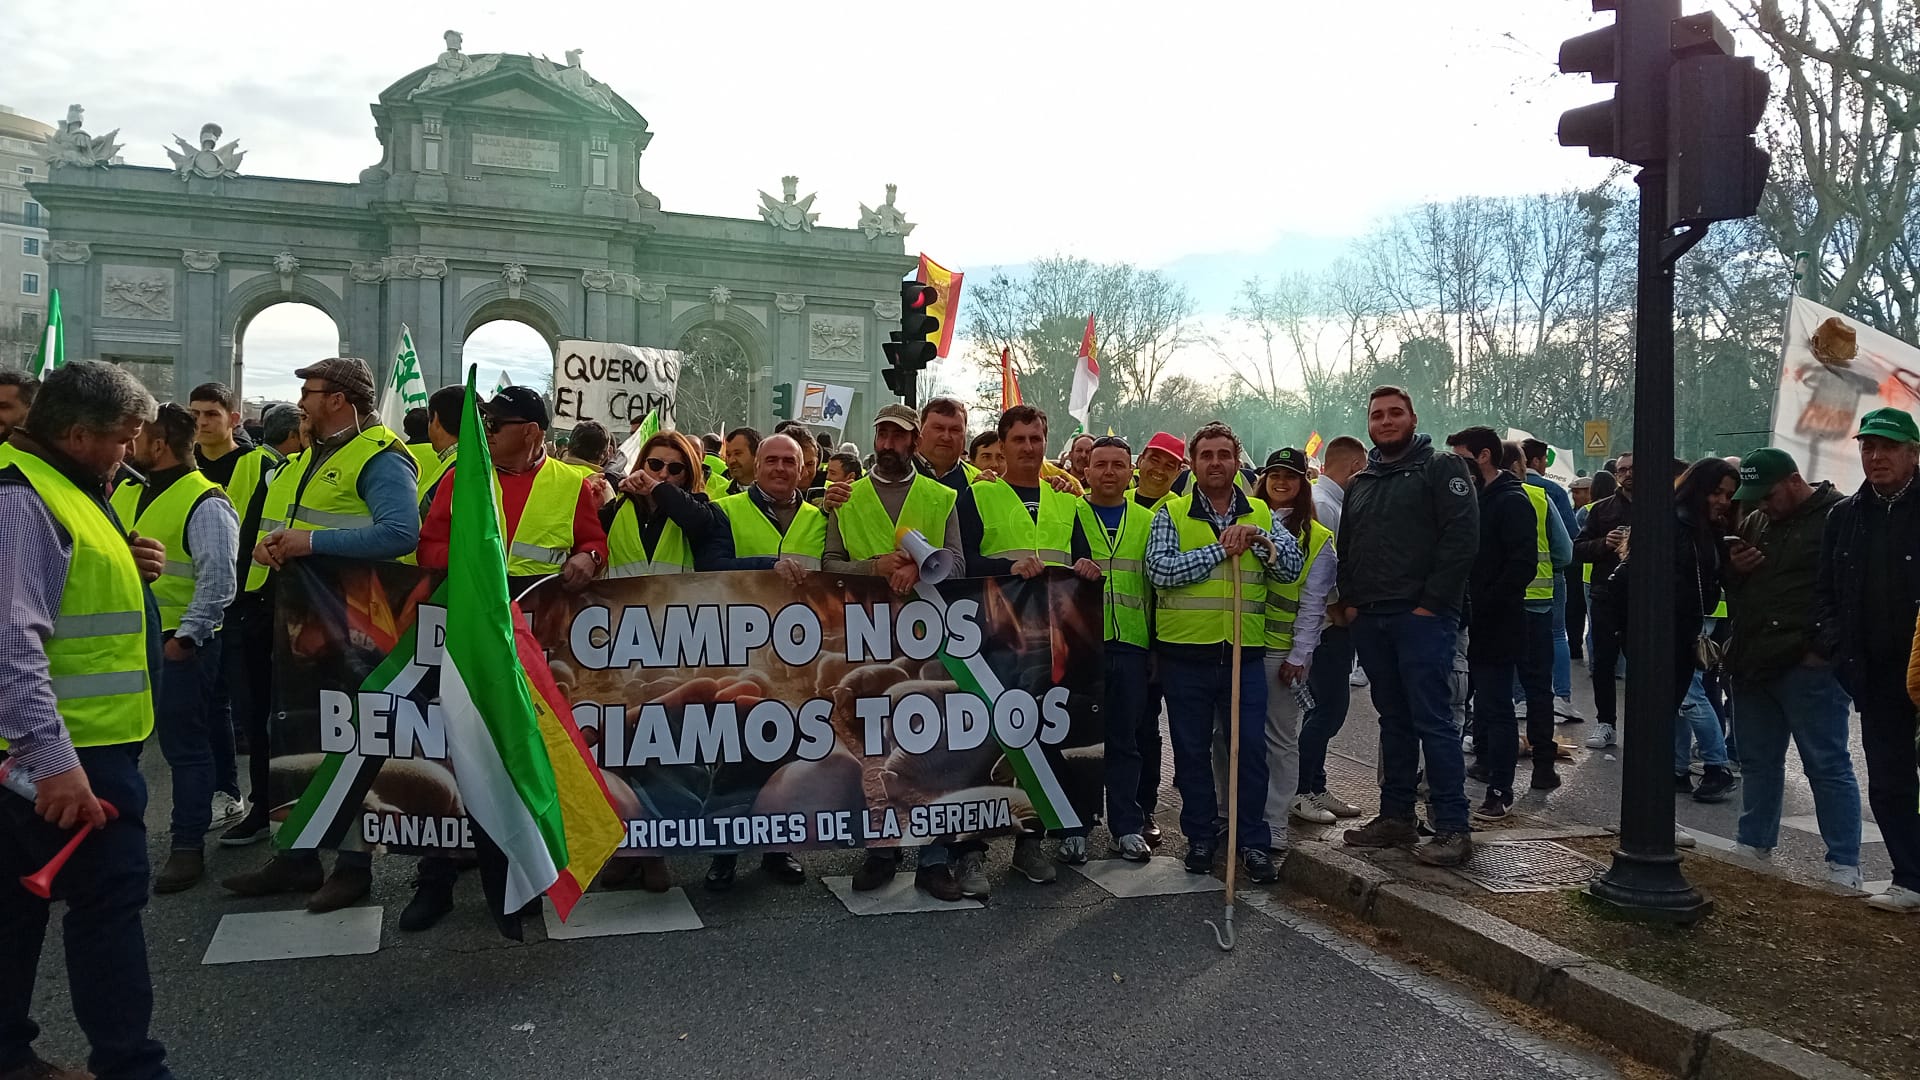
pixel 14 779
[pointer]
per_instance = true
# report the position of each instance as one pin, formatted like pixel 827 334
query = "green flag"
pixel 52 352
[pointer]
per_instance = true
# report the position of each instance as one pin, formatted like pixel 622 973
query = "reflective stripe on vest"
pixel 1541 587
pixel 1283 601
pixel 97 656
pixel 1123 563
pixel 867 531
pixel 1009 532
pixel 627 554
pixel 756 537
pixel 303 497
pixel 165 519
pixel 1198 614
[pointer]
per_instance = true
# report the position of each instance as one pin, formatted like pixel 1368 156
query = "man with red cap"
pixel 1159 470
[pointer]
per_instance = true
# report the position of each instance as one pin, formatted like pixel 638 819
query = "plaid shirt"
pixel 1168 566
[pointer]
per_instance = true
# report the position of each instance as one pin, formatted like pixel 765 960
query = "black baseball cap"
pixel 518 403
pixel 1292 459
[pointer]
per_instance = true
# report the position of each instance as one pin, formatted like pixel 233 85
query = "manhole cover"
pixel 1528 866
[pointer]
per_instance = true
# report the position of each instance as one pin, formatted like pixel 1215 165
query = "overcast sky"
pixel 1211 138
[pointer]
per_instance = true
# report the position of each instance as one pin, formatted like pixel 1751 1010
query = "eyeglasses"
pixel 1105 441
pixel 493 424
pixel 671 468
pixel 306 390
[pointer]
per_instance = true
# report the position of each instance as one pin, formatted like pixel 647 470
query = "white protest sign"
pixel 1834 370
pixel 613 383
pixel 822 405
pixel 1559 461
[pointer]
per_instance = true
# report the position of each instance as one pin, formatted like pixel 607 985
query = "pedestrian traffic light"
pixel 909 350
pixel 1634 53
pixel 1715 169
pixel 783 401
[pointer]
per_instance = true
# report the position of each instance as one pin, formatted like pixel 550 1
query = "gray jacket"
pixel 1409 532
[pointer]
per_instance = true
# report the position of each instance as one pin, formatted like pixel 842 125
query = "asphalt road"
pixel 1047 981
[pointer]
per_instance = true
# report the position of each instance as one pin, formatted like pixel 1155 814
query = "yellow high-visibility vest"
pixel 97 656
pixel 1009 532
pixel 1283 601
pixel 165 520
pixel 627 554
pixel 755 537
pixel 329 498
pixel 1541 587
pixel 432 468
pixel 1123 564
pixel 1202 613
pixel 867 530
pixel 543 537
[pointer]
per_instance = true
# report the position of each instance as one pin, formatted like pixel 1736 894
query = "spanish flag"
pixel 1009 382
pixel 526 775
pixel 946 307
pixel 1313 445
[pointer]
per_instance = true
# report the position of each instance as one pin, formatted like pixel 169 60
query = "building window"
pixel 29 284
pixel 30 215
pixel 24 170
pixel 30 245
pixel 30 323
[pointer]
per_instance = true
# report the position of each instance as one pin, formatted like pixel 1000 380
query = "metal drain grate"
pixel 1528 866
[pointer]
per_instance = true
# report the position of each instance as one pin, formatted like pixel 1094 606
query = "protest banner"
pixel 613 383
pixel 1833 371
pixel 824 405
pixel 727 710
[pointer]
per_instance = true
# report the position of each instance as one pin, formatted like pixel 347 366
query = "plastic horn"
pixel 936 564
pixel 40 883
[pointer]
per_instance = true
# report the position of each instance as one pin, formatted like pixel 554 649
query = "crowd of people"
pixel 143 543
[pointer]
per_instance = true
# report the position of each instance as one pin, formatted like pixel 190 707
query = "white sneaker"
pixel 1847 877
pixel 1073 850
pixel 1134 848
pixel 1682 838
pixel 1305 809
pixel 1762 854
pixel 1601 739
pixel 1565 713
pixel 226 808
pixel 1466 744
pixel 1358 678
pixel 1340 808
pixel 1897 898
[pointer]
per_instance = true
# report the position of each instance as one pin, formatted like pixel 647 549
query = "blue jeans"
pixel 1327 683
pixel 1198 696
pixel 1126 698
pixel 1697 721
pixel 1495 727
pixel 1808 704
pixel 1409 662
pixel 105 889
pixel 183 709
pixel 1562 655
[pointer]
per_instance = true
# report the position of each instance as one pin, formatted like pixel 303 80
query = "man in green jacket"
pixel 1782 684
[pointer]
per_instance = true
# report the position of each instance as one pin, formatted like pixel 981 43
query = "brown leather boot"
pixel 654 875
pixel 281 874
pixel 183 870
pixel 345 887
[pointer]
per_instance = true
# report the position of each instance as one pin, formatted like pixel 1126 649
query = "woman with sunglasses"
pixel 662 522
pixel 1296 613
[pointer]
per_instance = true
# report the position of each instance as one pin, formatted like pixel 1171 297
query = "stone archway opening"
pixel 508 347
pixel 274 342
pixel 715 381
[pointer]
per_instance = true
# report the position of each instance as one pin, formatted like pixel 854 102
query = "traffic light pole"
pixel 1645 880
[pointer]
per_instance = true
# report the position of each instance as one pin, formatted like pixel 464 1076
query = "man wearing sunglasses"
pixel 350 494
pixel 551 512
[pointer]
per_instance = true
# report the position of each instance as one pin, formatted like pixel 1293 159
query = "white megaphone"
pixel 936 564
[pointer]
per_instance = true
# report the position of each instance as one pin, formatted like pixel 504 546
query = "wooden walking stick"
pixel 1223 933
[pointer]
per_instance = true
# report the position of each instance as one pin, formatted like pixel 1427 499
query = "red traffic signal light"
pixel 917 297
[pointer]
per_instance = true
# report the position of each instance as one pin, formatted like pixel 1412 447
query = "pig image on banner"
pixel 728 711
pixel 613 383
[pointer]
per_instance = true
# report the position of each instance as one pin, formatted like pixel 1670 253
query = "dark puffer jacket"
pixel 1409 532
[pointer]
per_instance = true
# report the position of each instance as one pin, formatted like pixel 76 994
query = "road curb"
pixel 1645 1021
